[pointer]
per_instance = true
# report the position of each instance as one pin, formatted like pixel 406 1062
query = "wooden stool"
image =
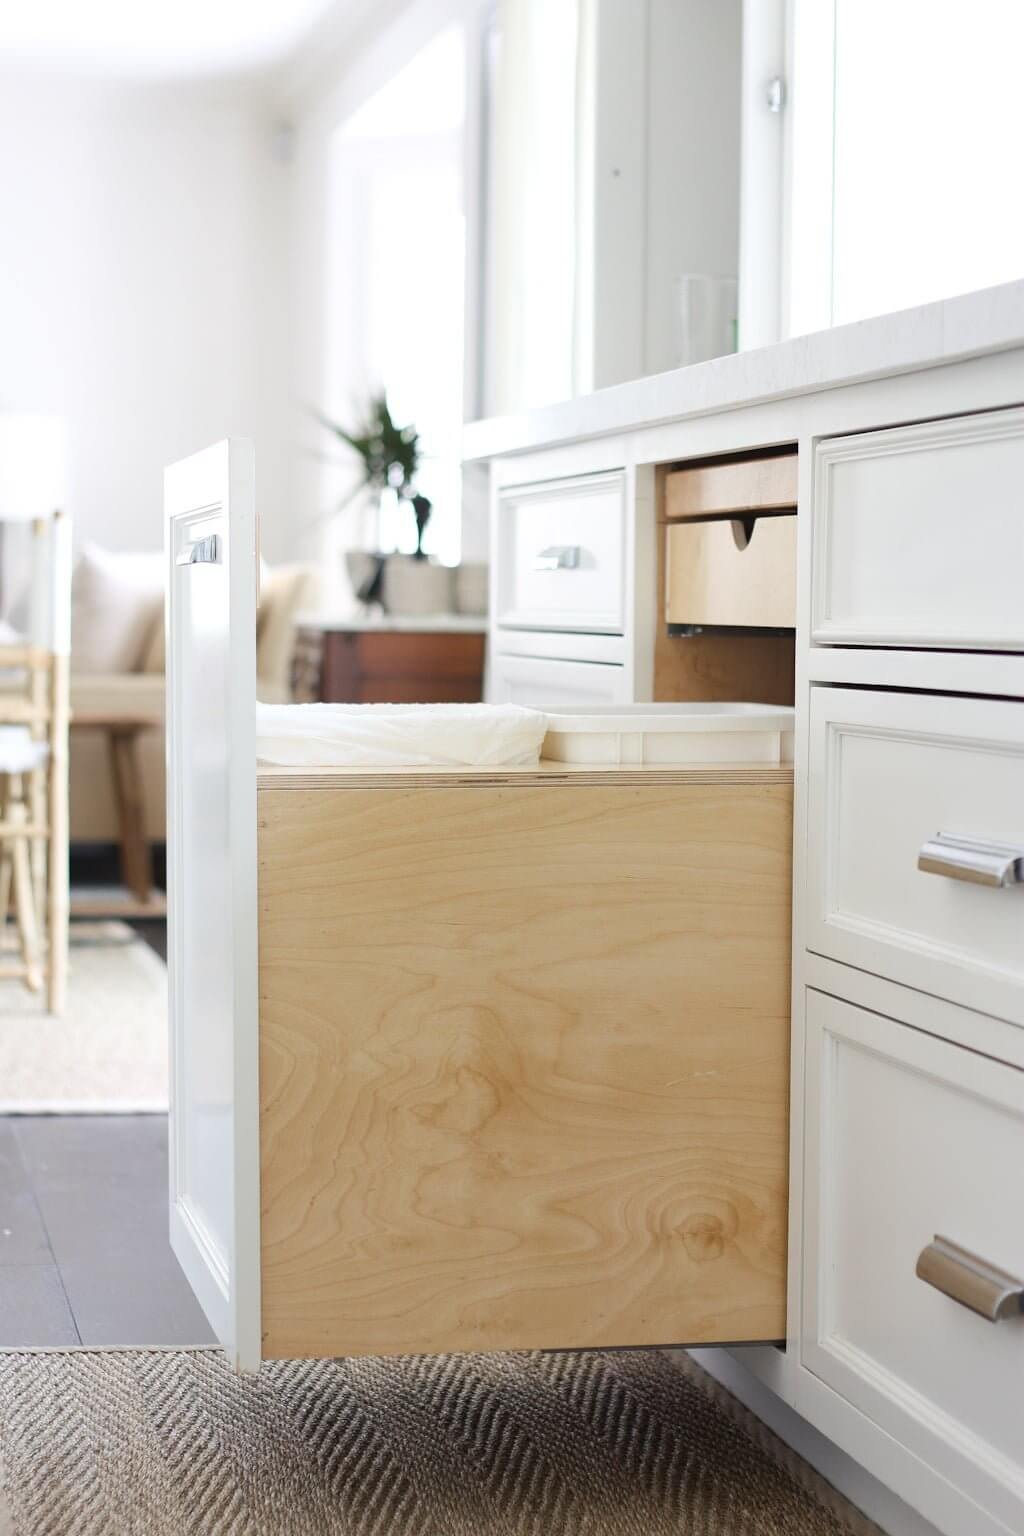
pixel 140 898
pixel 21 759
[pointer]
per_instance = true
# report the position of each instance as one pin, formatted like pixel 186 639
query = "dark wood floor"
pixel 84 1255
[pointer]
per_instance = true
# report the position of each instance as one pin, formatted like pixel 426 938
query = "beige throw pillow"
pixel 115 601
pixel 154 657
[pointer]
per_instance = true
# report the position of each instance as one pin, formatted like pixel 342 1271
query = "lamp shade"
pixel 32 466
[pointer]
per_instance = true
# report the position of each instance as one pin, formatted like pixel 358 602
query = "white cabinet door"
pixel 211 846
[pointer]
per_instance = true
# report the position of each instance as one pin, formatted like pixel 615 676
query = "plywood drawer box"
pixel 732 572
pixel 461 1059
pixel 739 485
pixel 889 773
pixel 908 1139
pixel 919 535
pixel 562 554
pixel 523 1061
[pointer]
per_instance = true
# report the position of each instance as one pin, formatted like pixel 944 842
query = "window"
pixel 929 119
pixel 397 257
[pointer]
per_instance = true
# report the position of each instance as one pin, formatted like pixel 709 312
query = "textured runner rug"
pixel 150 1443
pixel 108 1054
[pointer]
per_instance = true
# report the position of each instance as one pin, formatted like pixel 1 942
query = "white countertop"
pixel 395 623
pixel 991 320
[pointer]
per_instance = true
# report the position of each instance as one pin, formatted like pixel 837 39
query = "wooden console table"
pixel 397 661
pixel 139 896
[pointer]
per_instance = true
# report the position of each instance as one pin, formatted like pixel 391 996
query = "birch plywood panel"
pixel 757 484
pixel 524 1062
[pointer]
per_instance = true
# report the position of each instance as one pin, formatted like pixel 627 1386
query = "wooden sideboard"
pixel 432 664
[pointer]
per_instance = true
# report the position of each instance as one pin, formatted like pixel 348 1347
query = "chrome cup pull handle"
pixel 973 1282
pixel 558 557
pixel 204 551
pixel 972 859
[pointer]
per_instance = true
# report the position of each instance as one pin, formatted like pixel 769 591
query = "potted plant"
pixel 390 457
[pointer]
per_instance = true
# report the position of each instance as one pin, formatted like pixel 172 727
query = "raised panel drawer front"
pixel 561 555
pixel 892 776
pixel 542 684
pixel 919 535
pixel 909 1140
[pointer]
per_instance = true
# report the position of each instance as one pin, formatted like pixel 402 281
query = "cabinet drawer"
pixel 736 572
pixel 910 1138
pixel 743 485
pixel 532 1091
pixel 542 684
pixel 888 772
pixel 561 554
pixel 919 535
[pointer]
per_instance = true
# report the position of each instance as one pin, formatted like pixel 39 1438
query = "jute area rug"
pixel 171 1443
pixel 108 1054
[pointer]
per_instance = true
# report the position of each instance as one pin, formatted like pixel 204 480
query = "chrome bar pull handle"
pixel 558 557
pixel 972 859
pixel 204 551
pixel 973 1282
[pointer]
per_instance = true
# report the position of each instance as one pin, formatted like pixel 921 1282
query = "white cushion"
pixel 19 753
pixel 115 601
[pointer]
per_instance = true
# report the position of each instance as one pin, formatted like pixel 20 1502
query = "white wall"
pixel 140 285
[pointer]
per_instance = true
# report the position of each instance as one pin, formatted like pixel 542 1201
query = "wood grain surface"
pixel 713 576
pixel 524 1065
pixel 749 484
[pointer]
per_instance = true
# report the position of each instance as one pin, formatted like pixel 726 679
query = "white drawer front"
pixel 888 772
pixel 919 535
pixel 561 554
pixel 545 684
pixel 909 1138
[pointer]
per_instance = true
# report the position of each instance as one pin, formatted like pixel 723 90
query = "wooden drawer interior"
pixel 726 613
pixel 732 572
pixel 524 1055
pixel 754 483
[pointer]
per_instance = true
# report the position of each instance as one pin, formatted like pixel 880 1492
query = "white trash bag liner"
pixel 400 735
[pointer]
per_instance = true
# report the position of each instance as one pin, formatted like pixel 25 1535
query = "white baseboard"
pixel 853 1481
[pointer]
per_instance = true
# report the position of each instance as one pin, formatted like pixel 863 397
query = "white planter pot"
pixel 414 586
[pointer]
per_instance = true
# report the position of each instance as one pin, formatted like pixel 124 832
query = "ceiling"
pixel 157 36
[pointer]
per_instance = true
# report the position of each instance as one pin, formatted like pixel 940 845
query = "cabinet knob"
pixel 973 1282
pixel 972 859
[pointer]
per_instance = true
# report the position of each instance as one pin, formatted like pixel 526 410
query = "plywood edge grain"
pixel 544 775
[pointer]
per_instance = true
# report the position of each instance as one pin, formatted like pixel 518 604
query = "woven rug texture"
pixel 108 1054
pixel 172 1443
